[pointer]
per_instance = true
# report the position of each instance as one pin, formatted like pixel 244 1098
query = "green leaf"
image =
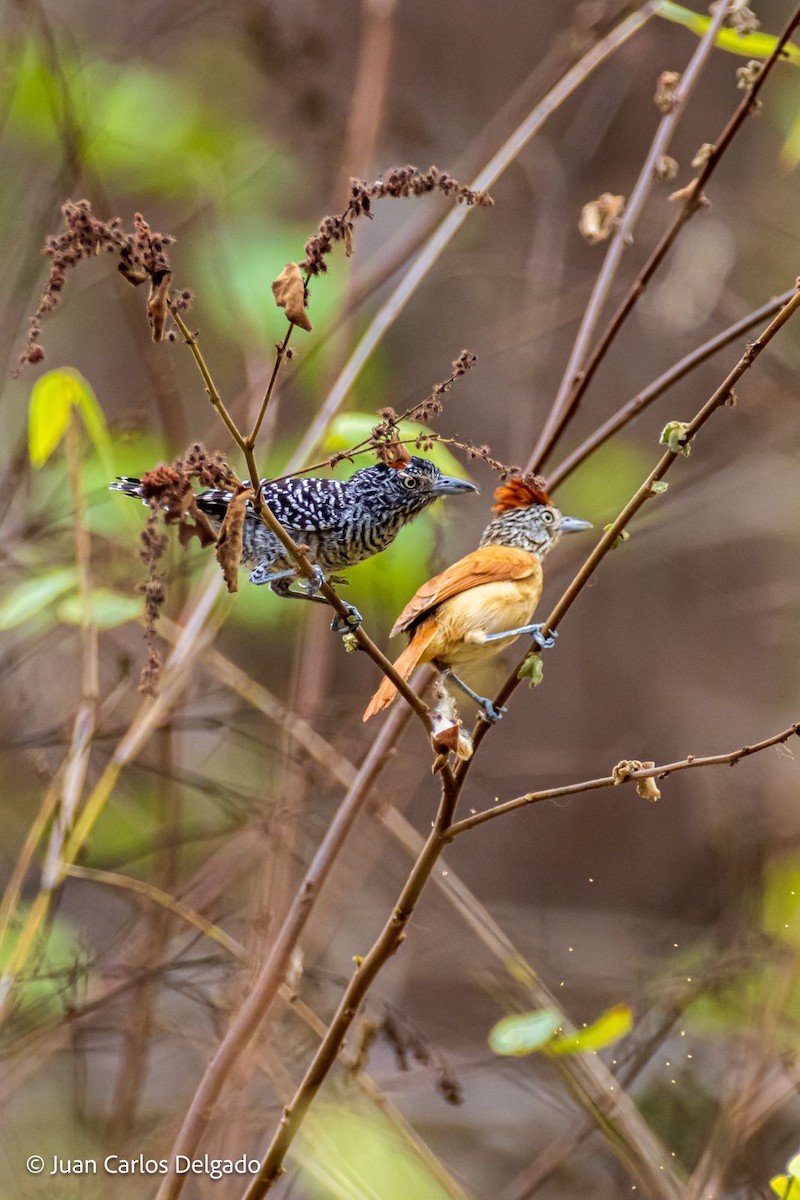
pixel 54 967
pixel 523 1033
pixel 53 398
pixel 749 45
pixel 350 428
pixel 781 901
pixel 34 595
pixel 608 1028
pixel 532 669
pixel 109 609
pixel 354 1153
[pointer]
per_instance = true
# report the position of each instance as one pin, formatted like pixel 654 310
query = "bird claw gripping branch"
pixel 486 599
pixel 341 522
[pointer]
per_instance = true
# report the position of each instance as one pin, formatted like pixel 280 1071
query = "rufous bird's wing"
pixel 489 564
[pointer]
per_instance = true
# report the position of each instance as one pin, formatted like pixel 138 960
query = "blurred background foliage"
pixel 235 127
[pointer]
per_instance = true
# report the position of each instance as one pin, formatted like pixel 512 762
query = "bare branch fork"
pixel 590 785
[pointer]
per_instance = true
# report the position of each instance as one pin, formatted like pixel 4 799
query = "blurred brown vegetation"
pixel 236 127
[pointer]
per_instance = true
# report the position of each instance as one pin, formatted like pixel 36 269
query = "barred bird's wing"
pixel 304 504
pixel 489 564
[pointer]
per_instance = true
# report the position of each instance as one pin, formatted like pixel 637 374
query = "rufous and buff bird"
pixel 486 600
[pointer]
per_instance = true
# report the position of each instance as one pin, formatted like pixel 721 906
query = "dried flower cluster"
pixel 142 257
pixel 169 492
pixel 740 17
pixel 399 182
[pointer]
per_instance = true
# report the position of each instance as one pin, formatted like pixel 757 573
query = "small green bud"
pixel 622 536
pixel 674 436
pixel 350 642
pixel 659 487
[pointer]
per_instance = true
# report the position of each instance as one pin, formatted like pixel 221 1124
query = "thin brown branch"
pixel 211 388
pixel 624 415
pixel 366 971
pixel 623 234
pixel 280 354
pixel 273 524
pixel 693 203
pixel 606 781
pixel 265 989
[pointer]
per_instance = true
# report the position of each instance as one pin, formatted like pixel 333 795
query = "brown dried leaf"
pixel 394 454
pixel 600 217
pixel 229 542
pixel 157 310
pixel 290 295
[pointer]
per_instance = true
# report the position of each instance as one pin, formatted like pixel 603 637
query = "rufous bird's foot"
pixel 542 641
pixel 535 631
pixel 489 712
pixel 348 624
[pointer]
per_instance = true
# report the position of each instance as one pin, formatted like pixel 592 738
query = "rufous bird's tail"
pixel 404 665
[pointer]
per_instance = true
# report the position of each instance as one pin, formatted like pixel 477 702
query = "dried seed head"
pixel 666 91
pixel 600 217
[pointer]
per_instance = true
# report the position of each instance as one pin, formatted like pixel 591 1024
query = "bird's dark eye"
pixel 410 482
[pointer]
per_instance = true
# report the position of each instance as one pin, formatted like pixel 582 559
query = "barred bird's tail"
pixel 127 485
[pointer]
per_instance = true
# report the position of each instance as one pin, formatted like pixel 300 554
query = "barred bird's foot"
pixel 348 624
pixel 312 586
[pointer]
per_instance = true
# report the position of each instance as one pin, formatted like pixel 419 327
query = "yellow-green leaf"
pixel 53 398
pixel 108 609
pixel 34 595
pixel 610 1027
pixel 749 45
pixel 793 1166
pixel 783 1186
pixel 524 1033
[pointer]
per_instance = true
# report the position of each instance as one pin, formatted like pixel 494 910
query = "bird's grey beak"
pixel 447 485
pixel 573 525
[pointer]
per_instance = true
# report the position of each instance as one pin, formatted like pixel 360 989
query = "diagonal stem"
pixel 693 202
pixel 623 235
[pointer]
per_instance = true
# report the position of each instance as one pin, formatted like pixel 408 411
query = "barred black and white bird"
pixel 342 521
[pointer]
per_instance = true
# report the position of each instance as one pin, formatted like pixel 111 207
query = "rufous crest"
pixel 519 493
